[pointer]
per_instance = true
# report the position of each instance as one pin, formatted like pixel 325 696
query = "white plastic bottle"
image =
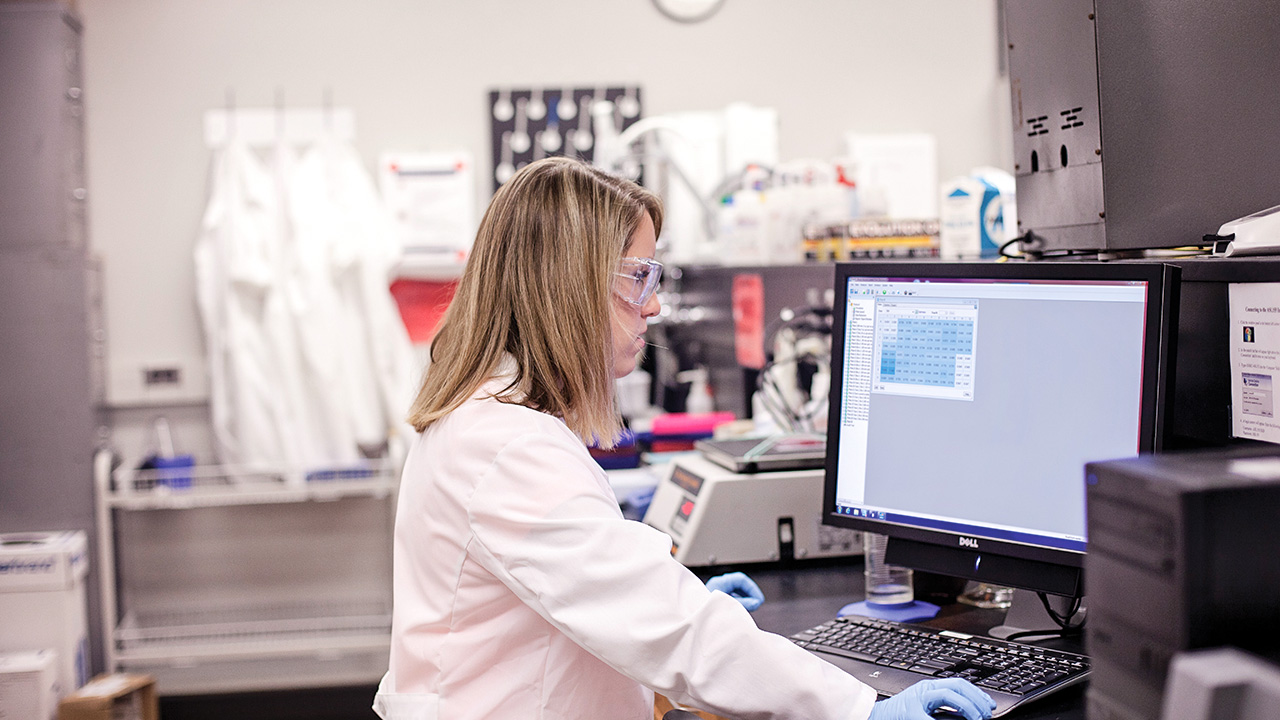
pixel 699 400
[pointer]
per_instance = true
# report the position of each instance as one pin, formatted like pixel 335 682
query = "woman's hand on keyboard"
pixel 926 696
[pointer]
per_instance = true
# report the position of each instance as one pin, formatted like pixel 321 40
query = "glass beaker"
pixel 887 585
pixel 983 595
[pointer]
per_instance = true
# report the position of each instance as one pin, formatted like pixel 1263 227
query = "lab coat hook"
pixel 328 109
pixel 231 113
pixel 280 115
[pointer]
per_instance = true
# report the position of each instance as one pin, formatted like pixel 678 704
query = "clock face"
pixel 688 11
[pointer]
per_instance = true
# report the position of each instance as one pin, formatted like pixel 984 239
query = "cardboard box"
pixel 28 685
pixel 42 599
pixel 117 696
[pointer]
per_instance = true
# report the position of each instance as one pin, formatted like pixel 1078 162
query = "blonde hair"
pixel 537 287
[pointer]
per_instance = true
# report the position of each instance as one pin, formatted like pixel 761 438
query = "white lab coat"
pixel 521 592
pixel 355 348
pixel 308 356
pixel 238 263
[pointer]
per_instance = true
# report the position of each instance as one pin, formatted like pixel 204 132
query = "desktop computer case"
pixel 1142 123
pixel 1184 553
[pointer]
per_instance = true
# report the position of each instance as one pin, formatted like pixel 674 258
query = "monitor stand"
pixel 1028 613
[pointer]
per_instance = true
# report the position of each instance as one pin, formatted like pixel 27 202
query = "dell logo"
pixel 969 542
pixel 875 674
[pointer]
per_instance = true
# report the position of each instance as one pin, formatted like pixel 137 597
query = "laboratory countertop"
pixel 796 598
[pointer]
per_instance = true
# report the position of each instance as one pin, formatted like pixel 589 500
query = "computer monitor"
pixel 966 398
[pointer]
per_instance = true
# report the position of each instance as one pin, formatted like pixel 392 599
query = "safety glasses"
pixel 638 279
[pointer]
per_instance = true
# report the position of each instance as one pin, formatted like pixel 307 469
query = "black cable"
pixel 771 395
pixel 1065 627
pixel 1063 621
pixel 814 320
pixel 1032 248
pixel 1029 242
pixel 765 378
pixel 1005 247
pixel 774 399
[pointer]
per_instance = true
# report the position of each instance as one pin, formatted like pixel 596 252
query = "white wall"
pixel 417 74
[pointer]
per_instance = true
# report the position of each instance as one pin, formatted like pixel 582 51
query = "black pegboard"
pixel 533 117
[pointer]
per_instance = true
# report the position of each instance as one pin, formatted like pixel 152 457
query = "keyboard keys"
pixel 995 665
pixel 846 653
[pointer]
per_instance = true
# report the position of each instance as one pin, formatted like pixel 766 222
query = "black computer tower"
pixel 1184 552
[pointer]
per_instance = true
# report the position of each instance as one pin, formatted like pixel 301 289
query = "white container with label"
pixel 977 214
pixel 42 600
pixel 29 685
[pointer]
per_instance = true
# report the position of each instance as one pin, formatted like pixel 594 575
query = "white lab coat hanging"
pixel 308 358
pixel 354 345
pixel 238 297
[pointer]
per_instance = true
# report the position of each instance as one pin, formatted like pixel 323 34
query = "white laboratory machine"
pixel 716 516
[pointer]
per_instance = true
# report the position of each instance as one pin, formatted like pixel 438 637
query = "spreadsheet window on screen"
pixel 972 405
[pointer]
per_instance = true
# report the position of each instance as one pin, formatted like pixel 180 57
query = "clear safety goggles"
pixel 637 279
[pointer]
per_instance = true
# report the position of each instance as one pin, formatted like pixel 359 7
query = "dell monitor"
pixel 967 397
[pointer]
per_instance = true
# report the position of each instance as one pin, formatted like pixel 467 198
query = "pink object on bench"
pixel 690 423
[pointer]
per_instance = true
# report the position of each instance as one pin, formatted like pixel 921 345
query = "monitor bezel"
pixel 1032 567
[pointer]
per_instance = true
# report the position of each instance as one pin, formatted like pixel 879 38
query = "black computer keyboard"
pixel 889 656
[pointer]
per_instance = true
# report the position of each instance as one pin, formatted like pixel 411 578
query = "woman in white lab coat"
pixel 520 590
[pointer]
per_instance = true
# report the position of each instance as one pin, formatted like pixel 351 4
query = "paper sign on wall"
pixel 431 199
pixel 1255 359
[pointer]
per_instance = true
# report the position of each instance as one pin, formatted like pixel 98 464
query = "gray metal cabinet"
pixel 50 355
pixel 42 186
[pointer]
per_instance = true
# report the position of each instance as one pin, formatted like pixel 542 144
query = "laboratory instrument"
pixel 776 452
pixel 1154 179
pixel 701 333
pixel 719 517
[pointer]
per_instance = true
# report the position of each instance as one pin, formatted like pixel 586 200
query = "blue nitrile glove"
pixel 917 701
pixel 739 587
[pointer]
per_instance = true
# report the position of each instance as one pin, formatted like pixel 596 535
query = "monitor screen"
pixel 967 397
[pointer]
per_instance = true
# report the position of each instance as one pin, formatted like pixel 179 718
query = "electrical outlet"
pixel 149 381
pixel 169 375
